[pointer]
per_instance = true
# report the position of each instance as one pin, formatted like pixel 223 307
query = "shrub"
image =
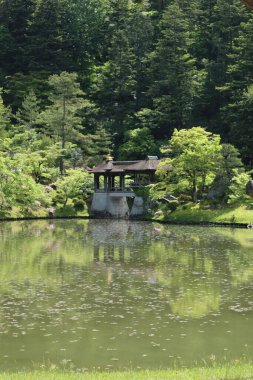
pixel 173 205
pixel 58 197
pixel 185 198
pixel 237 189
pixel 79 204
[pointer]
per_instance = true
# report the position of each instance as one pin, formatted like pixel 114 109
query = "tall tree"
pixel 48 46
pixel 86 27
pixel 115 81
pixel 238 111
pixel 140 33
pixel 219 24
pixel 61 116
pixel 15 18
pixel 4 117
pixel 28 115
pixel 195 155
pixel 174 78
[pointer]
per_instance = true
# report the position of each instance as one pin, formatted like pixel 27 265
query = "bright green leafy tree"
pixel 195 156
pixel 75 183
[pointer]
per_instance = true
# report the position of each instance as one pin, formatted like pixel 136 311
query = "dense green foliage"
pixel 82 78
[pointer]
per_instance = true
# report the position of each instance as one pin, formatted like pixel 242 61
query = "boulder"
pixel 218 189
pixel 249 188
pixel 138 207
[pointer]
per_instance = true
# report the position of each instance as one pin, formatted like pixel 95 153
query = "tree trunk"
pixel 65 203
pixel 203 184
pixel 194 188
pixel 249 3
pixel 63 137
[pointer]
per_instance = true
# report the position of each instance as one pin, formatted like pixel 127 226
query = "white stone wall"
pixel 116 206
pixel 105 205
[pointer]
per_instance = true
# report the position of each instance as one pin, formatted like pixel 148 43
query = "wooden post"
pixel 112 183
pixel 121 182
pixel 108 183
pixel 96 182
pixel 152 177
pixel 105 183
pixel 135 179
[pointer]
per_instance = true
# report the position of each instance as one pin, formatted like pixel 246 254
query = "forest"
pixel 83 78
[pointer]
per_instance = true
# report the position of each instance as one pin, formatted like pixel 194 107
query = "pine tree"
pixel 96 146
pixel 173 75
pixel 48 48
pixel 219 24
pixel 85 27
pixel 238 112
pixel 15 18
pixel 140 32
pixel 28 115
pixel 5 115
pixel 61 116
pixel 115 81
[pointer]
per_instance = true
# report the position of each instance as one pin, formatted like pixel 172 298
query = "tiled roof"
pixel 126 166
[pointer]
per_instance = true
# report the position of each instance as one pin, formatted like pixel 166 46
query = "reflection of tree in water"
pixel 196 267
pixel 192 270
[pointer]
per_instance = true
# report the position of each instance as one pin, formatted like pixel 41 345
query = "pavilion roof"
pixel 109 166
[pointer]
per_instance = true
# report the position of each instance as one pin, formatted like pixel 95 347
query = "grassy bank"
pixel 195 213
pixel 58 212
pixel 228 372
pixel 187 213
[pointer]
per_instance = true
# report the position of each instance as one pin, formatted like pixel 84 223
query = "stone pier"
pixel 109 205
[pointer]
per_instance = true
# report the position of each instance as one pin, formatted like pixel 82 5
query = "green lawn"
pixel 229 372
pixel 198 214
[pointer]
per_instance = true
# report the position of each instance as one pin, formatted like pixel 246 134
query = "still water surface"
pixel 119 294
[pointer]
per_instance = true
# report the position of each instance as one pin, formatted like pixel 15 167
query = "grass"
pixel 238 371
pixel 60 212
pixel 195 213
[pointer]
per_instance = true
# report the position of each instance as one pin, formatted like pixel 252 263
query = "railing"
pixel 116 190
pixel 134 185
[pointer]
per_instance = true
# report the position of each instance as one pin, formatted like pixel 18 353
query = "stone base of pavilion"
pixel 115 205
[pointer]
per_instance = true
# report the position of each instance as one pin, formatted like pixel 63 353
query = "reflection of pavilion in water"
pixel 107 254
pixel 117 244
pixel 116 241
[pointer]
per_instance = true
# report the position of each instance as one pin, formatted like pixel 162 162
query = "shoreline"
pixel 141 219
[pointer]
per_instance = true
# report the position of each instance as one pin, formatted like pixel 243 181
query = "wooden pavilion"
pixel 115 181
pixel 110 176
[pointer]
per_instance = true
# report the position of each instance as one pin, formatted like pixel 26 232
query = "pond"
pixel 110 295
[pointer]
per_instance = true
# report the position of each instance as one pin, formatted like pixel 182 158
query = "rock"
pixel 48 189
pixel 249 188
pixel 138 207
pixel 218 188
